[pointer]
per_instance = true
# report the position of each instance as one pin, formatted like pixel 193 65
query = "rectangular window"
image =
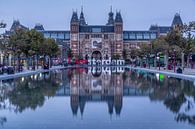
pixel 132 36
pixel 86 36
pixel 54 35
pixel 106 36
pixel 118 37
pixel 74 37
pixel 96 36
pixel 96 30
pixel 139 36
pixel 47 35
pixel 67 35
pixel 126 36
pixel 153 36
pixel 60 35
pixel 146 36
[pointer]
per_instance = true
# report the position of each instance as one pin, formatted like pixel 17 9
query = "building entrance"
pixel 96 58
pixel 96 55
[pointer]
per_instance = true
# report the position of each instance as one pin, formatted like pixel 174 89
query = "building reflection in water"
pixel 97 84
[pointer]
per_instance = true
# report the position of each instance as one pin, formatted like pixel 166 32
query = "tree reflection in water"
pixel 31 92
pixel 176 94
pixel 27 93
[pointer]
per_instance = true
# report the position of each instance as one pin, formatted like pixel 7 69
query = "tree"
pixel 116 57
pixel 17 44
pixel 49 48
pixel 145 51
pixel 35 39
pixel 187 30
pixel 70 54
pixel 160 45
pixel 31 43
pixel 125 54
pixel 4 46
pixel 179 43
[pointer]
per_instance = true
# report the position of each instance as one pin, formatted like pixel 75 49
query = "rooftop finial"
pixel 177 20
pixel 111 17
pixel 118 17
pixel 82 17
pixel 82 8
pixel 111 8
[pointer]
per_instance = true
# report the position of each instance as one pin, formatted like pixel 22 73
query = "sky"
pixel 56 14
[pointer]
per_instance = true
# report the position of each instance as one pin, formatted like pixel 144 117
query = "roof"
pixel 39 27
pixel 82 19
pixel 111 18
pixel 57 34
pixel 74 17
pixel 160 29
pixel 139 35
pixel 177 20
pixel 118 17
pixel 16 25
pixel 96 29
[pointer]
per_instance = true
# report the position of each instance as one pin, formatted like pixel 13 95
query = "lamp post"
pixel 149 61
pixel 158 58
pixel 190 60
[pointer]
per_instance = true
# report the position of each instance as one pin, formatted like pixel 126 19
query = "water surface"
pixel 97 98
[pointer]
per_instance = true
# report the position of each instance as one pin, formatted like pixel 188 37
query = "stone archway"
pixel 96 55
pixel 86 57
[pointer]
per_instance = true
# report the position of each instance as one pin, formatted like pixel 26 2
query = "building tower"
pixel 82 18
pixel 39 27
pixel 74 32
pixel 111 18
pixel 118 30
pixel 177 21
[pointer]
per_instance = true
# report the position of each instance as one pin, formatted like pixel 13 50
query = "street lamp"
pixel 149 60
pixel 158 58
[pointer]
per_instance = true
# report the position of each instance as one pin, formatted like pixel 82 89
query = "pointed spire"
pixel 16 25
pixel 177 20
pixel 118 17
pixel 111 17
pixel 39 27
pixel 82 8
pixel 82 17
pixel 74 103
pixel 74 17
pixel 82 106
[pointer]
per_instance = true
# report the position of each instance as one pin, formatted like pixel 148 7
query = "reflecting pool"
pixel 97 98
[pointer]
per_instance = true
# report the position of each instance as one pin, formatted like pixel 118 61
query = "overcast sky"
pixel 56 14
